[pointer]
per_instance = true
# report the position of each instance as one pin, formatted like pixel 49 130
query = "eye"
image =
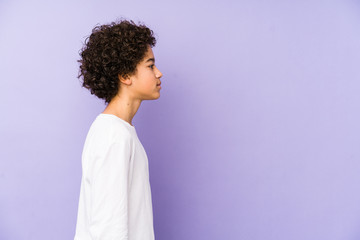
pixel 152 66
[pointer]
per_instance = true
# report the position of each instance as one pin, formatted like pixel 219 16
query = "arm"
pixel 109 193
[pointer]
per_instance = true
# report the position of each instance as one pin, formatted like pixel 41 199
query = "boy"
pixel 117 64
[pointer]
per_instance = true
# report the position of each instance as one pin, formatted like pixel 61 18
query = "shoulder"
pixel 107 130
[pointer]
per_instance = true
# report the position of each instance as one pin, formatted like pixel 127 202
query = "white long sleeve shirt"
pixel 115 195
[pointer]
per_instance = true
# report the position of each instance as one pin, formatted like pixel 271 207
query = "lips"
pixel 158 84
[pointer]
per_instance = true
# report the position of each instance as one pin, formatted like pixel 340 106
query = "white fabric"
pixel 115 195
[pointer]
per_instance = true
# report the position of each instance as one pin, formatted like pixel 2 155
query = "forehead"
pixel 149 52
pixel 149 56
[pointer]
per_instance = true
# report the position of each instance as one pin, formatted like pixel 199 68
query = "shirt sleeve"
pixel 109 193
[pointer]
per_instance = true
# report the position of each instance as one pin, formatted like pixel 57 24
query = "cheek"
pixel 146 85
pixel 150 79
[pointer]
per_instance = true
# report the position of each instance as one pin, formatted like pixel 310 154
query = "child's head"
pixel 111 51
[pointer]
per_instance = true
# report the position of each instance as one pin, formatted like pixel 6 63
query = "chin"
pixel 157 95
pixel 153 97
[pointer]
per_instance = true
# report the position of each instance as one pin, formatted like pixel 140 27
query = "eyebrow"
pixel 150 59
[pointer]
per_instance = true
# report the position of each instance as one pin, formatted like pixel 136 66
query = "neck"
pixel 123 106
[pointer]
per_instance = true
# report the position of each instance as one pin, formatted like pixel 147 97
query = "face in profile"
pixel 146 81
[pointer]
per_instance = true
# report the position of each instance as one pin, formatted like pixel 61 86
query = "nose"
pixel 158 74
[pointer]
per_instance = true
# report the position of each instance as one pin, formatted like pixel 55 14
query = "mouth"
pixel 158 84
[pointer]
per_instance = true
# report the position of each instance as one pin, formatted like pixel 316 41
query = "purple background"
pixel 255 136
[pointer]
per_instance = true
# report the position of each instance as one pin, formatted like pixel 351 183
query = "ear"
pixel 125 79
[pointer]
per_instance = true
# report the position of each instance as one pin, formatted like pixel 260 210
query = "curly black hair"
pixel 112 50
